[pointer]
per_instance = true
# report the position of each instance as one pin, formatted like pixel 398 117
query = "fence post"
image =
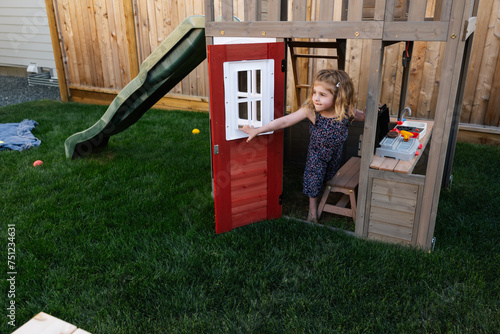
pixel 54 36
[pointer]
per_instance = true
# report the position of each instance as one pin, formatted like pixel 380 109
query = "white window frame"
pixel 233 97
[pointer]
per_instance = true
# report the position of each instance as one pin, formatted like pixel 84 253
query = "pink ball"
pixel 37 163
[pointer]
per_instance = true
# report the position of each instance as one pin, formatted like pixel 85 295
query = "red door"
pixel 247 177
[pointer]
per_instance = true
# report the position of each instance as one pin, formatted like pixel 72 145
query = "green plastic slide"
pixel 181 52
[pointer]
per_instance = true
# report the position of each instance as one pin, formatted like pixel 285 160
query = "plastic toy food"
pixel 406 135
pixel 37 163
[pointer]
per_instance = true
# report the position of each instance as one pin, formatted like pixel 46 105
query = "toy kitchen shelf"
pixel 400 166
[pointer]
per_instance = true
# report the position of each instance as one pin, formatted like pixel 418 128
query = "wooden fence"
pixel 103 42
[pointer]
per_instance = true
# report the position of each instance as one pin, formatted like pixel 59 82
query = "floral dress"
pixel 324 153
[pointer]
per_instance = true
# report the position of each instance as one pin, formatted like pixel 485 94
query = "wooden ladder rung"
pixel 310 55
pixel 321 45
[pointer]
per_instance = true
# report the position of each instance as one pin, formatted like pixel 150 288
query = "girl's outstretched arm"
pixel 359 115
pixel 278 123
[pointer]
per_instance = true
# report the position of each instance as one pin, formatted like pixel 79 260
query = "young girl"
pixel 329 109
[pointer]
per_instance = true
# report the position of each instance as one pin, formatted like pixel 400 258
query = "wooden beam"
pixel 54 36
pixel 416 31
pixel 392 31
pixel 298 29
pixel 479 134
pixel 374 83
pixel 103 96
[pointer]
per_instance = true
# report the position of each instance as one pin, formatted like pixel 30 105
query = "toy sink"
pixel 397 148
pixel 419 128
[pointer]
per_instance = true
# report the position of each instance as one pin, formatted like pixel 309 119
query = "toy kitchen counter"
pixel 386 157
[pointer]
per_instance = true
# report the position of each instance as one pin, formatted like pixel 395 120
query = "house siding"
pixel 25 34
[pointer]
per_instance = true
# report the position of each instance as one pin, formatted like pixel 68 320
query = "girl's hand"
pixel 250 131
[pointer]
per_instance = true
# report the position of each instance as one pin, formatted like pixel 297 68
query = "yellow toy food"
pixel 406 135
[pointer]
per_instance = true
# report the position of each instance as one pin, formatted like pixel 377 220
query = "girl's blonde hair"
pixel 340 85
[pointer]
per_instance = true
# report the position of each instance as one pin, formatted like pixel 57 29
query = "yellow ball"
pixel 196 131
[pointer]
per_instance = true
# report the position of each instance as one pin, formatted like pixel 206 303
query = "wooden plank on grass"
pixel 44 323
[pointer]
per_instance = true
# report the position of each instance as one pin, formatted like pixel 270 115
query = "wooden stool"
pixel 345 182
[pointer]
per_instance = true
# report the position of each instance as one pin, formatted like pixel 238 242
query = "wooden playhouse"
pixel 393 204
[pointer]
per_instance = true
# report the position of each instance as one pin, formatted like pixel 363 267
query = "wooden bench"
pixel 345 182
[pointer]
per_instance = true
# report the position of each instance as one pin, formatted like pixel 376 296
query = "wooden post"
pixel 442 123
pixel 369 131
pixel 54 36
pixel 374 83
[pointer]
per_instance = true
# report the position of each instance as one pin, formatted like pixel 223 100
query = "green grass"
pixel 124 242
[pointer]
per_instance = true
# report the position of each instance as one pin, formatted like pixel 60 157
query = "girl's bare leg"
pixel 313 209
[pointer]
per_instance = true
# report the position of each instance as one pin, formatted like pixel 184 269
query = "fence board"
pixel 98 53
pixel 492 115
pixel 488 64
pixel 475 60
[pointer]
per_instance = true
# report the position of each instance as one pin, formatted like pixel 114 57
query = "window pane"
pixel 243 110
pixel 258 83
pixel 242 81
pixel 258 111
